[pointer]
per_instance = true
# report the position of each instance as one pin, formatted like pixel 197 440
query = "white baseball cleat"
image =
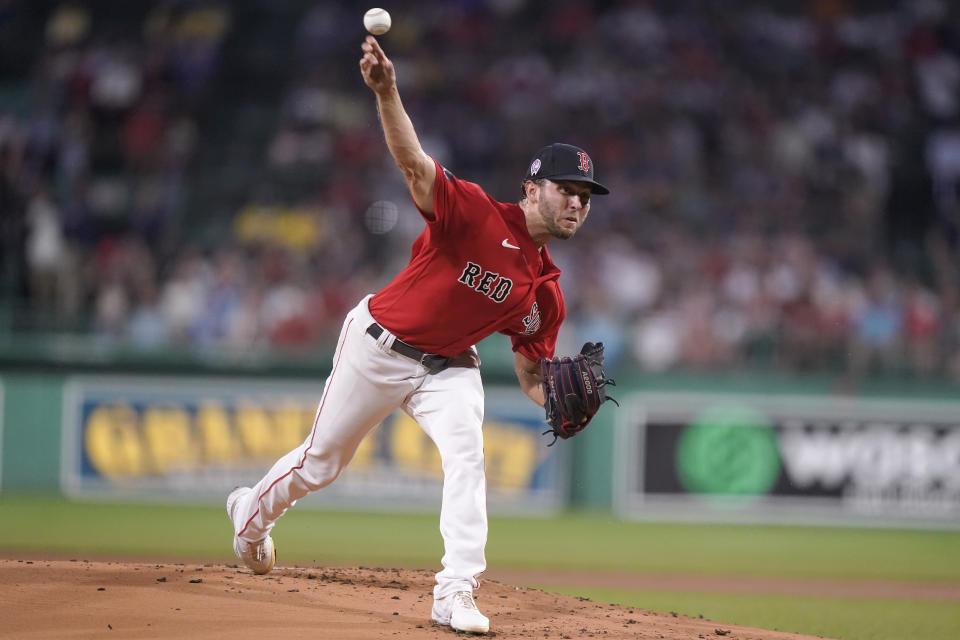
pixel 460 612
pixel 261 555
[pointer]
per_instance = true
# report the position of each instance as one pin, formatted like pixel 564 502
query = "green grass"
pixel 575 541
pixel 842 618
pixel 606 543
pixel 43 524
pixel 413 540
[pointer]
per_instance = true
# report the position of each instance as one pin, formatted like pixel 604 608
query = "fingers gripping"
pixel 374 66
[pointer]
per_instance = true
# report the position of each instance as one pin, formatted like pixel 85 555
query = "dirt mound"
pixel 82 599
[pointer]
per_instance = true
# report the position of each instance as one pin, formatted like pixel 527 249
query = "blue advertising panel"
pixel 191 440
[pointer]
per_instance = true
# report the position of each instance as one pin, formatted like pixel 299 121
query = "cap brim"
pixel 595 187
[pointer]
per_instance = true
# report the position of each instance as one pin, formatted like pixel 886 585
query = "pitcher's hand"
pixel 376 67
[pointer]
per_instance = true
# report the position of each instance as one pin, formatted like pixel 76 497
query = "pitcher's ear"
pixel 527 185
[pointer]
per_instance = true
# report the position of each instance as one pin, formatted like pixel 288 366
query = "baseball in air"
pixel 377 21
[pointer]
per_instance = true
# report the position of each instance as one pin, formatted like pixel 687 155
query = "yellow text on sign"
pixel 122 441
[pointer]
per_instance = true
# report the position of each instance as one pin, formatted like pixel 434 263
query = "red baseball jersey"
pixel 473 271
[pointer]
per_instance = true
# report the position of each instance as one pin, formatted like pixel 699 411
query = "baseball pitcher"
pixel 480 266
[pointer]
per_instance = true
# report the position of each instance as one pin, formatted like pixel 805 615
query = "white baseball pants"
pixel 367 383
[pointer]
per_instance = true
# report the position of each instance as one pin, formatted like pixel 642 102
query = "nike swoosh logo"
pixel 506 243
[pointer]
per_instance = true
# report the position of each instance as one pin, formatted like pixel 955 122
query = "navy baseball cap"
pixel 560 161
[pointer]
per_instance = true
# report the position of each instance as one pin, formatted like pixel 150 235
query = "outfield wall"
pixel 30 446
pixel 720 454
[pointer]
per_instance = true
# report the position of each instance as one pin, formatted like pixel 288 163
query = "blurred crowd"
pixel 784 184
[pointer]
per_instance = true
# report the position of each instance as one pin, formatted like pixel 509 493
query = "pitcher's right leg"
pixel 366 384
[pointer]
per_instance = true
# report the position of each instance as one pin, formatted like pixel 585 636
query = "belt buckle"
pixel 432 362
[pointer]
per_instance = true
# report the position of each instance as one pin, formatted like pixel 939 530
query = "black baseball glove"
pixel 574 389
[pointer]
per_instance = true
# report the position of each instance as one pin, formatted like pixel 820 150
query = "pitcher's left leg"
pixel 449 408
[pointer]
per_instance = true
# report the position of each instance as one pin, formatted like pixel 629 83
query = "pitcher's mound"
pixel 81 599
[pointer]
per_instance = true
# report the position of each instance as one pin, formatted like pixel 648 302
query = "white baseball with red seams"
pixel 377 21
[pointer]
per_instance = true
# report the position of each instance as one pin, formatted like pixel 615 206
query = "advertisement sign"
pixel 789 459
pixel 197 439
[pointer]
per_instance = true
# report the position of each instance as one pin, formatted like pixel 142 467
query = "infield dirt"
pixel 102 599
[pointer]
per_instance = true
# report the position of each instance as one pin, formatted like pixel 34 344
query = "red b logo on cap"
pixel 584 161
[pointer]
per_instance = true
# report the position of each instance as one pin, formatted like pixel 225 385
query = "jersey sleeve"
pixel 534 349
pixel 454 202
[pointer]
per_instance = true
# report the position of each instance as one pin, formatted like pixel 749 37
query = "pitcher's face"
pixel 563 206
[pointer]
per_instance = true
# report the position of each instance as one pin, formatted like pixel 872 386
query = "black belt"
pixel 434 363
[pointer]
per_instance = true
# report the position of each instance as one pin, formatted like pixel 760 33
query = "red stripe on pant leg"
pixel 313 432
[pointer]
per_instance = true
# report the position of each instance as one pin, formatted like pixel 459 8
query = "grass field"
pixel 578 541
